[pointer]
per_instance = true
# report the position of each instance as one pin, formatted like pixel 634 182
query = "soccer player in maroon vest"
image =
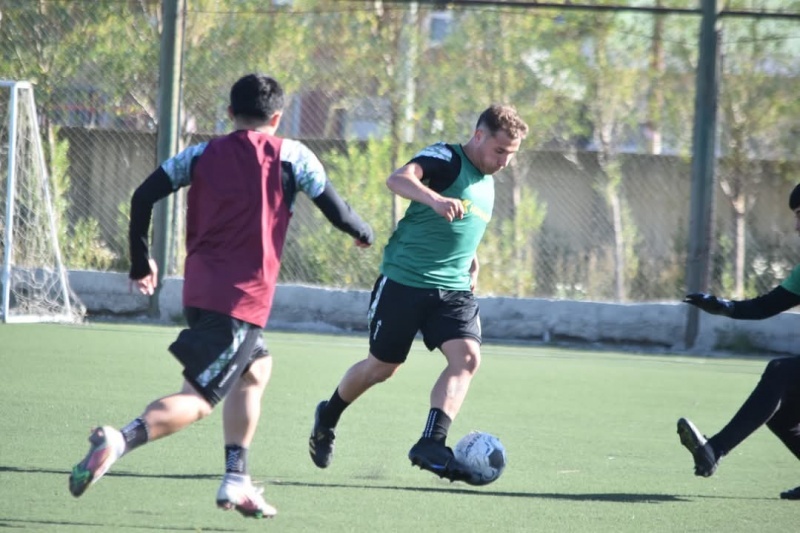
pixel 242 187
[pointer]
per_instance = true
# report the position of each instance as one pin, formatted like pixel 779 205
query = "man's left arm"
pixel 342 216
pixel 311 178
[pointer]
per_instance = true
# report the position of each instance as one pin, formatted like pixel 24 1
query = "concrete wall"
pixel 651 325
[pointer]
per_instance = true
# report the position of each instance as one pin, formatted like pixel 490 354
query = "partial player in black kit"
pixel 775 401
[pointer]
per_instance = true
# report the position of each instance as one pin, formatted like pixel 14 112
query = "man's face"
pixel 495 151
pixel 797 220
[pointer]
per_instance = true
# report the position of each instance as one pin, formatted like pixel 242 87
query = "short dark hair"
pixel 256 96
pixel 503 118
pixel 794 198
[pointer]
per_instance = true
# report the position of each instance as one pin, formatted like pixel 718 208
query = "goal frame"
pixel 23 90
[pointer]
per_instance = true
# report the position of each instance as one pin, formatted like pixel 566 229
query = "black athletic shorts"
pixel 397 312
pixel 216 350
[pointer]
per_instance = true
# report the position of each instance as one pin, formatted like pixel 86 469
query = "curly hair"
pixel 503 118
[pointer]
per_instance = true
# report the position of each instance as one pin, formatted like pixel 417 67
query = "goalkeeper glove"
pixel 710 303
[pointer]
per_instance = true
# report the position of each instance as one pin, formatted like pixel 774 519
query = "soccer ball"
pixel 484 454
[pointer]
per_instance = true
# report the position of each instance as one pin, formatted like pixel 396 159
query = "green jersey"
pixel 427 251
pixel 792 283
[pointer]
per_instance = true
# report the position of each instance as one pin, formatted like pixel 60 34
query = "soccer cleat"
pixel 107 445
pixel 791 494
pixel 321 441
pixel 435 457
pixel 705 461
pixel 237 492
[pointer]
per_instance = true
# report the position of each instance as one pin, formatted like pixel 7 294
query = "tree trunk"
pixel 619 246
pixel 657 93
pixel 739 244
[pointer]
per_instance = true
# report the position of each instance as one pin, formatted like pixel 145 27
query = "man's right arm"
pixel 153 189
pixel 171 175
pixel 407 182
pixel 767 305
pixel 776 301
pixel 780 299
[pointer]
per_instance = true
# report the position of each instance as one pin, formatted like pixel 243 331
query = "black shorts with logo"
pixel 397 312
pixel 216 350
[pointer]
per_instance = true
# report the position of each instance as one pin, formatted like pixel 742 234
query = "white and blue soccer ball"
pixel 483 454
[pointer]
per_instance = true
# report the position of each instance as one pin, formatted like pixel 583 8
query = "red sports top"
pixel 236 226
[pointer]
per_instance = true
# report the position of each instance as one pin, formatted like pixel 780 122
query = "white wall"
pixel 659 325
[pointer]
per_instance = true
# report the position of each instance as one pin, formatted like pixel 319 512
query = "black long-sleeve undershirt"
pixel 158 186
pixel 764 306
pixel 341 215
pixel 154 188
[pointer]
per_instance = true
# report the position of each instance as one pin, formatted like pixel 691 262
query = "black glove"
pixel 710 303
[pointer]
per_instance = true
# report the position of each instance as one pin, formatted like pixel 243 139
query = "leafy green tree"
pixel 612 100
pixel 328 257
pixel 756 99
pixel 508 256
pixel 81 243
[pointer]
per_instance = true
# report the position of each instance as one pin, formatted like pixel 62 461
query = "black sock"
pixel 437 426
pixel 135 434
pixel 333 410
pixel 235 459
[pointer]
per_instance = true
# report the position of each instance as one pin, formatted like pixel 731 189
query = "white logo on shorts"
pixel 230 372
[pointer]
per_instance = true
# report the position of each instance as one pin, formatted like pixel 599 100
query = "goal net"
pixel 33 280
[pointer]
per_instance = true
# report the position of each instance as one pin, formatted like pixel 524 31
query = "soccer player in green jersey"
pixel 426 284
pixel 775 401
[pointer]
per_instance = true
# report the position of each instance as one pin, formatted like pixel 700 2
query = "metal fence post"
pixel 169 90
pixel 701 220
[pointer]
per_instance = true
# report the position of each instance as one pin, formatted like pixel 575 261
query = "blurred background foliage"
pixel 594 207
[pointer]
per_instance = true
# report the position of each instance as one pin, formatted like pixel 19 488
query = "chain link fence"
pixel 596 205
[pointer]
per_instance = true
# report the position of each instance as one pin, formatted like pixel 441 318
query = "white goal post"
pixel 33 280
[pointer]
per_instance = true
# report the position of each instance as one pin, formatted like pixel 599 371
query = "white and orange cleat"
pixel 237 492
pixel 106 446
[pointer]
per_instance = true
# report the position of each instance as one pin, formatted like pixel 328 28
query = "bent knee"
pixel 469 362
pixel 258 373
pixel 783 369
pixel 463 355
pixel 472 362
pixel 374 379
pixel 381 375
pixel 378 371
pixel 204 409
pixel 195 401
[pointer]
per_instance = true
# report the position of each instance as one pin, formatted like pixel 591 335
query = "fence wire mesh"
pixel 596 206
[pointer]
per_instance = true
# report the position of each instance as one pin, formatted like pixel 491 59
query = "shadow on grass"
pixel 31 470
pixel 620 497
pixel 17 523
pixel 611 497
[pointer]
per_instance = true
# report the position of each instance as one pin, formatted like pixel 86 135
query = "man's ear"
pixel 275 119
pixel 230 112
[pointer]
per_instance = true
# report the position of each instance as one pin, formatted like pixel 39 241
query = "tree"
pixel 613 102
pixel 756 97
pixel 326 256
